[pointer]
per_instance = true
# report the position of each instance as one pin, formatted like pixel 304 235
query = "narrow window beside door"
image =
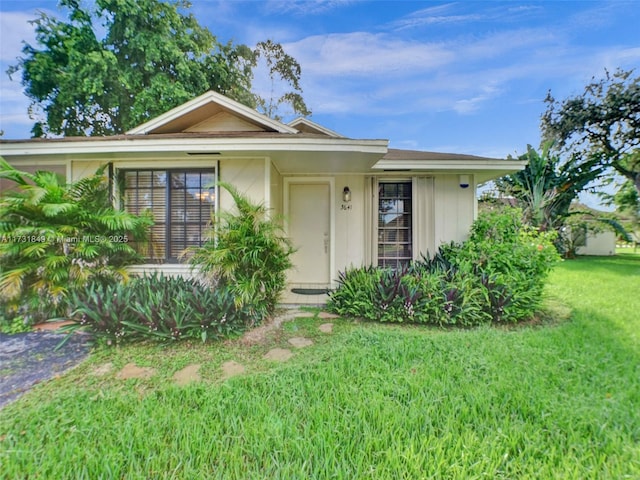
pixel 394 224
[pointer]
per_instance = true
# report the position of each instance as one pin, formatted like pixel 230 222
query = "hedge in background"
pixel 496 276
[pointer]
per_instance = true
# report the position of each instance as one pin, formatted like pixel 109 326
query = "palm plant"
pixel 547 186
pixel 248 252
pixel 57 236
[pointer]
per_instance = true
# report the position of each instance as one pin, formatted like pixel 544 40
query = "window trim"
pixel 208 169
pixel 376 215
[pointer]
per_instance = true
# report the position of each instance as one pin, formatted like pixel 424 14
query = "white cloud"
pixel 362 53
pixel 14 107
pixel 382 73
pixel 386 74
pixel 426 17
pixel 14 29
pixel 611 59
pixel 602 15
pixel 502 44
pixel 457 13
pixel 439 14
pixel 308 7
pixel 470 105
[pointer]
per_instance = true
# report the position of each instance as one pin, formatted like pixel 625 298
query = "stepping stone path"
pixel 326 328
pixel 300 342
pixel 131 370
pixel 187 375
pixel 278 355
pixel 259 334
pixel 231 369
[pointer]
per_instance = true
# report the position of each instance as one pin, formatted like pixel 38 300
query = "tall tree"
pixel 283 67
pixel 151 57
pixel 601 123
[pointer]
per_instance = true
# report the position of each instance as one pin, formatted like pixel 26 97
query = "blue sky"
pixel 465 77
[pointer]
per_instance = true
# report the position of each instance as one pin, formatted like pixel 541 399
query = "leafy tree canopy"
pixel 106 70
pixel 283 66
pixel 627 202
pixel 601 123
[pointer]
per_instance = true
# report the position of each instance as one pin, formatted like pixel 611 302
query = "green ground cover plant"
pixel 497 275
pixel 156 307
pixel 553 399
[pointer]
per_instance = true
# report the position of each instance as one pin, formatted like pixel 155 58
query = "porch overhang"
pixel 431 163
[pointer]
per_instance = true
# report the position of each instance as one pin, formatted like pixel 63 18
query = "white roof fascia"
pixel 214 97
pixel 462 165
pixel 193 145
pixel 315 126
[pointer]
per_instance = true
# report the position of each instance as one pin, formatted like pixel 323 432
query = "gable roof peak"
pixel 304 125
pixel 190 113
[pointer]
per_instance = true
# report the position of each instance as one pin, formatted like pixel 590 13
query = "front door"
pixel 309 230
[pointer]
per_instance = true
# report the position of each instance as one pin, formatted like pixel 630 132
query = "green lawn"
pixel 555 399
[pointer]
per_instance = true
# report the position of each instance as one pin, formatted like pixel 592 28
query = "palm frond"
pixel 618 228
pixel 12 281
pixel 55 209
pixel 9 172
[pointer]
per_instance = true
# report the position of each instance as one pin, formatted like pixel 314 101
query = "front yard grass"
pixel 559 398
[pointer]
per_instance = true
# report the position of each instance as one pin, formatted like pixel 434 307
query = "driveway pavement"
pixel 29 358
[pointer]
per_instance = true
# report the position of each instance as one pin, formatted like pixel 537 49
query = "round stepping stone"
pixel 326 328
pixel 231 369
pixel 327 315
pixel 131 370
pixel 187 375
pixel 278 354
pixel 300 342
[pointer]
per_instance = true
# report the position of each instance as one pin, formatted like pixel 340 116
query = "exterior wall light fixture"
pixel 346 194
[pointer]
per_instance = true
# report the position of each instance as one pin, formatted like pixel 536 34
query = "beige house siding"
pixel 442 212
pixel 275 192
pixel 454 209
pixel 247 175
pixel 356 221
pixel 350 235
pixel 84 168
pixel 423 225
pixel 224 122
